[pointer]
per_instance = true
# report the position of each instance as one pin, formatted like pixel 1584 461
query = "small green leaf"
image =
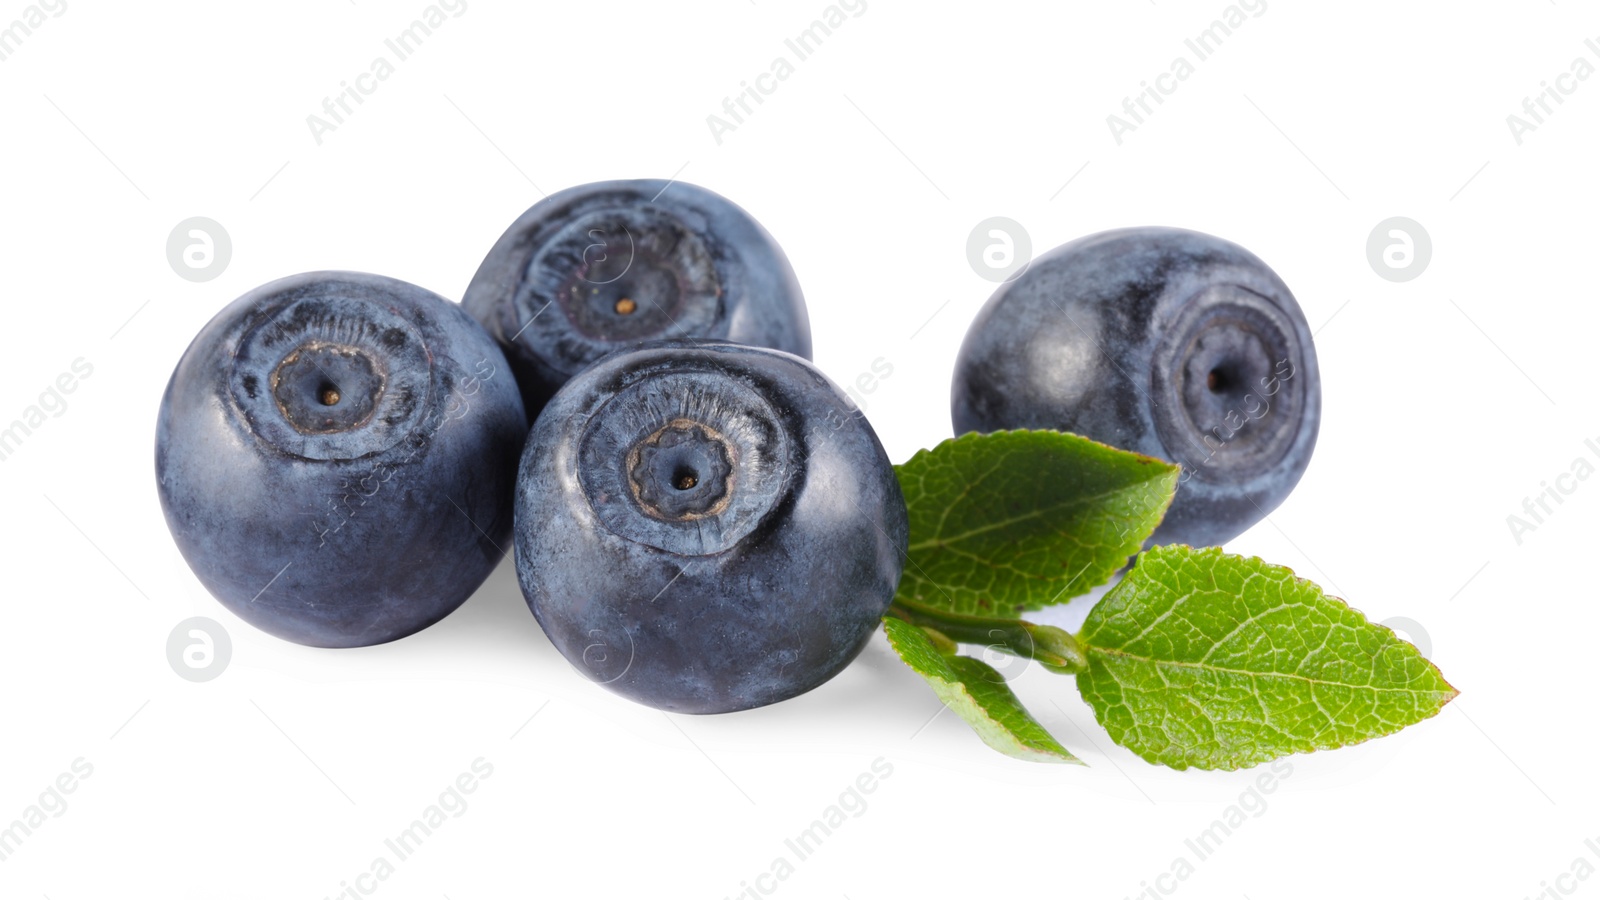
pixel 978 694
pixel 1019 520
pixel 1199 658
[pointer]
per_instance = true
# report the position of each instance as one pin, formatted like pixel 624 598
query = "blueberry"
pixel 335 455
pixel 605 266
pixel 707 527
pixel 1167 342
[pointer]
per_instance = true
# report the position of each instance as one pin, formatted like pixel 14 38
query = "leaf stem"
pixel 1051 647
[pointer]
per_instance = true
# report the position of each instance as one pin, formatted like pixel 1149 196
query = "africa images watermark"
pixel 1581 869
pixel 1253 409
pixel 837 418
pixel 800 48
pixel 31 19
pixel 1201 47
pixel 357 491
pixel 450 804
pixel 1538 508
pixel 337 108
pixel 851 804
pixel 51 804
pixel 51 404
pixel 1537 108
pixel 1252 804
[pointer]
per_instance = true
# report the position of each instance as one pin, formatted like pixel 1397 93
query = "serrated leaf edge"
pixel 1090 650
pixel 1161 468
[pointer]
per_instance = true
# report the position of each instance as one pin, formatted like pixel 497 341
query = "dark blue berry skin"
pixel 1167 342
pixel 707 527
pixel 605 266
pixel 336 454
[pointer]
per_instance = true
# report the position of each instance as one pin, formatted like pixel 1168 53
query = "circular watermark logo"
pixel 1399 249
pixel 198 249
pixel 1006 666
pixel 607 654
pixel 1396 661
pixel 598 258
pixel 199 649
pixel 1411 630
pixel 999 249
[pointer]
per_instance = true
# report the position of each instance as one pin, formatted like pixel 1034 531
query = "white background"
pixel 1448 400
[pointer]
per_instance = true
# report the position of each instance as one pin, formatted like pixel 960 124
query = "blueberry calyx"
pixel 603 267
pixel 685 460
pixel 1226 366
pixel 618 275
pixel 344 377
pixel 682 472
pixel 322 388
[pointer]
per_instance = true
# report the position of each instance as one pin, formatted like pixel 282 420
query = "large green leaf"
pixel 978 694
pixel 1018 520
pixel 1199 658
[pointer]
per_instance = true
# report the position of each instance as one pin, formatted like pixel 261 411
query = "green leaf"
pixel 1019 520
pixel 978 694
pixel 1199 658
